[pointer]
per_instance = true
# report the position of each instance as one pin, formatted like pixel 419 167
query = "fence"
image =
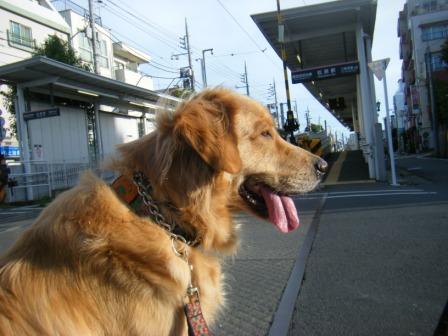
pixel 43 178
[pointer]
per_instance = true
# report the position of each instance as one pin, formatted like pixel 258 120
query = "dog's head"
pixel 236 137
pixel 220 151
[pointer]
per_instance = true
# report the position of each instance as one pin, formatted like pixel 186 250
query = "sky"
pixel 155 26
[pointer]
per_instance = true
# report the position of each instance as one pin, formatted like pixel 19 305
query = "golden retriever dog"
pixel 93 265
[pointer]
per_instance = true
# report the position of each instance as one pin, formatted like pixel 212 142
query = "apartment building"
pixel 422 28
pixel 24 24
pixel 68 118
pixel 115 59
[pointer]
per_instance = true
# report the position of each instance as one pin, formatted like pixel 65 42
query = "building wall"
pixel 416 15
pixel 62 139
pixel 420 49
pixel 116 129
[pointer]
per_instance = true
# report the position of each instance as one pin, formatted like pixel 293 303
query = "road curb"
pixel 283 316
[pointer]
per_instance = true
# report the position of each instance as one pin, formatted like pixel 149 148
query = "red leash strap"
pixel 195 320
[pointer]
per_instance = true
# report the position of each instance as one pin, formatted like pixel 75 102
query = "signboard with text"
pixel 325 72
pixel 53 112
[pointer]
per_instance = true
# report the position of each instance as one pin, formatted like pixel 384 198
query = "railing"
pixel 44 177
pixel 62 5
pixel 430 6
pixel 17 40
pixel 38 177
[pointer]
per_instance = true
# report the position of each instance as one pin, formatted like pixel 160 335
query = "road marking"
pixel 413 168
pixel 13 213
pixel 363 191
pixel 333 175
pixel 377 194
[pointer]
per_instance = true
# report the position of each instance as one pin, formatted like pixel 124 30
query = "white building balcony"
pixel 134 78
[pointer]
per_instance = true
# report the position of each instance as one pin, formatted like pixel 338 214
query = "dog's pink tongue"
pixel 282 211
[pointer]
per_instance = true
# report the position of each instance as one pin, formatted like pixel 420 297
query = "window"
pixel 435 32
pixel 20 36
pixel 437 62
pixel 86 51
pixel 85 48
pixel 103 59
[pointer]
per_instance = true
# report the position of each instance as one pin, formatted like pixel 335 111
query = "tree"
pixel 316 128
pixel 54 48
pixel 60 50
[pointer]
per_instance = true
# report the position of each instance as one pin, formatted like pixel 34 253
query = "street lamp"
pixel 204 72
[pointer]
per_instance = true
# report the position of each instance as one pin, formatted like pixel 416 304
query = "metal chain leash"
pixel 178 243
pixel 144 190
pixel 149 202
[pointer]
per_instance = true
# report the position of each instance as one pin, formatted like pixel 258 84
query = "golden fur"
pixel 90 266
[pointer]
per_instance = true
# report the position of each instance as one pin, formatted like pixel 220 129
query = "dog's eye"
pixel 266 134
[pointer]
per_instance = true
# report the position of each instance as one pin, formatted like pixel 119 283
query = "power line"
pixel 138 26
pixel 147 22
pixel 239 25
pixel 218 68
pixel 212 66
pixel 149 75
pixel 245 31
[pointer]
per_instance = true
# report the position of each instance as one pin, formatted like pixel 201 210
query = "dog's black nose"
pixel 321 166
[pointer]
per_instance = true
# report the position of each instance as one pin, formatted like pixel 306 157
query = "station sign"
pixel 48 113
pixel 325 72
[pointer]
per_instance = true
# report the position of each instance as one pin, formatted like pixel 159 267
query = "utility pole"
pixel 244 80
pixel 94 41
pixel 274 92
pixel 97 125
pixel 204 70
pixel 247 79
pixel 187 40
pixel 308 119
pixel 291 124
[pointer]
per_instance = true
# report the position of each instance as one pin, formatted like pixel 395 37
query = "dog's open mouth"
pixel 267 203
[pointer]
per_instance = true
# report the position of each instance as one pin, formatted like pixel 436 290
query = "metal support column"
pixel 23 138
pixel 366 100
pixel 99 139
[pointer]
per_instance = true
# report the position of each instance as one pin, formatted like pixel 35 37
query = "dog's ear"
pixel 205 123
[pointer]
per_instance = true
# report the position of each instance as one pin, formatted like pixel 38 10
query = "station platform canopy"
pixel 47 76
pixel 320 43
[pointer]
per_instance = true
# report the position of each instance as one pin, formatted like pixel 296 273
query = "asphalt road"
pixel 378 264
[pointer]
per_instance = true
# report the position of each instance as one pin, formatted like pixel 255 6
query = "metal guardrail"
pixel 50 176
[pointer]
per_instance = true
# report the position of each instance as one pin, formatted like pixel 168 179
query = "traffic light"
pixel 291 124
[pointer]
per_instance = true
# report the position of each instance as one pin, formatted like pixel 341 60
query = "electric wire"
pixel 213 67
pixel 247 34
pixel 222 70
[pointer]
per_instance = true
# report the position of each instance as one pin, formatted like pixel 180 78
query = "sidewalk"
pixel 347 167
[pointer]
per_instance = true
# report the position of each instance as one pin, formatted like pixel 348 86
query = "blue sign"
pixel 329 71
pixel 10 151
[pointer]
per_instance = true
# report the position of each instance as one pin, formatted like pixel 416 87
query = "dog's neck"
pixel 180 177
pixel 137 193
